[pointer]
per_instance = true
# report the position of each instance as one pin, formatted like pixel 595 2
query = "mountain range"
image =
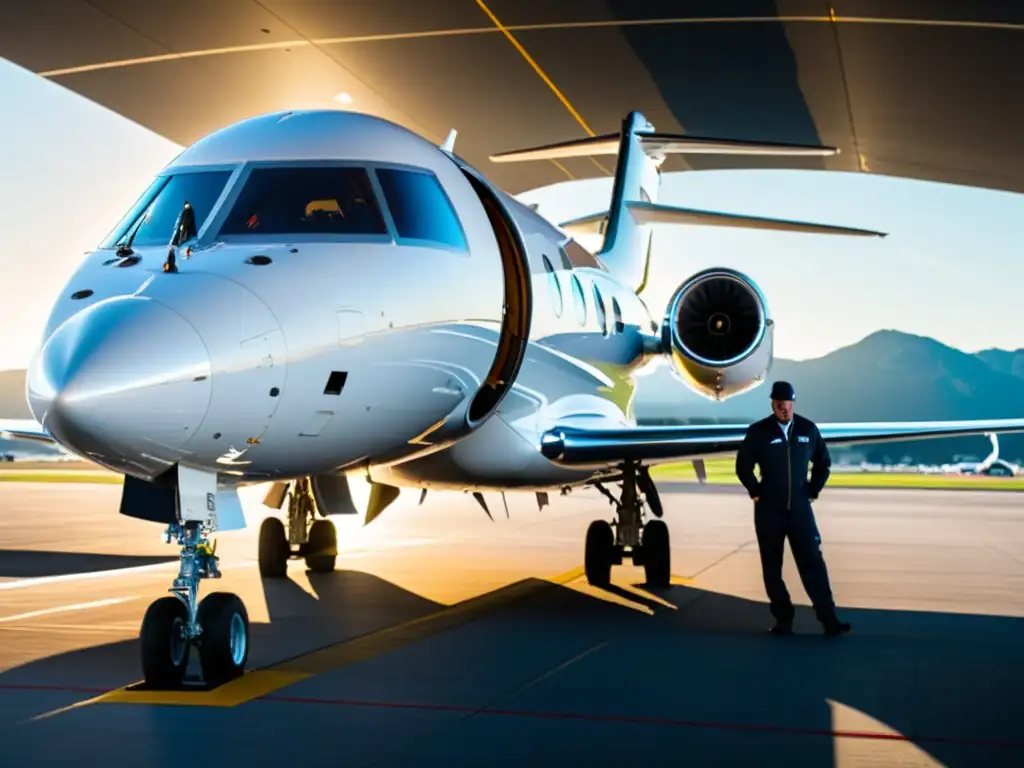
pixel 886 376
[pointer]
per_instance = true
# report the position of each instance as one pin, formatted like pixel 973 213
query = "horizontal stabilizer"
pixel 654 213
pixel 661 144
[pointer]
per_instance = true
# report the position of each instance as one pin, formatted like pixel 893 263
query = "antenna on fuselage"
pixel 449 143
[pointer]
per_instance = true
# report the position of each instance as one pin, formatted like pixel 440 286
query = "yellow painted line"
pixel 542 75
pixel 249 686
pixel 568 576
pixel 391 639
pixel 563 169
pixel 257 683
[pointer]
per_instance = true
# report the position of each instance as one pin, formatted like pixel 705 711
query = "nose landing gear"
pixel 218 627
pixel 646 543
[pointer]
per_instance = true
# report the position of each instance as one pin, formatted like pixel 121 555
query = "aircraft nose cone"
pixel 125 382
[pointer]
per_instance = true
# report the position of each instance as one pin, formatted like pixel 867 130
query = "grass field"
pixel 58 476
pixel 721 472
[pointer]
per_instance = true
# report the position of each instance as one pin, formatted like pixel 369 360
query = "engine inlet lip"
pixel 691 285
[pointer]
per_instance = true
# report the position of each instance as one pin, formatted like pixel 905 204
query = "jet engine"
pixel 718 333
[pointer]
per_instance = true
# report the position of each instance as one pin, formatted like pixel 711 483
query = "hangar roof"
pixel 928 89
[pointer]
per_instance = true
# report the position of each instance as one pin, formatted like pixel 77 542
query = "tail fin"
pixel 627 242
pixel 641 151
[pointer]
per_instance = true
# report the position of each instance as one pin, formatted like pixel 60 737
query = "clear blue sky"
pixel 951 268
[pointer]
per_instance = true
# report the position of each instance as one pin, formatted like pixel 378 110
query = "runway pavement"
pixel 445 638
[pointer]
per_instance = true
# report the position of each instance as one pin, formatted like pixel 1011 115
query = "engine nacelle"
pixel 718 333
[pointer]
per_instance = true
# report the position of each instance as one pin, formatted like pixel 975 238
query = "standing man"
pixel 782 445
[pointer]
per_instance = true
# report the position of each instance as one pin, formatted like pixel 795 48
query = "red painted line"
pixel 621 719
pixel 660 721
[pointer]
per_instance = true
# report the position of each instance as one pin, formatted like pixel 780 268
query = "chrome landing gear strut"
pixel 645 542
pixel 307 537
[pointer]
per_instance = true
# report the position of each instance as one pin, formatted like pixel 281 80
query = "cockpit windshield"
pixel 303 201
pixel 157 210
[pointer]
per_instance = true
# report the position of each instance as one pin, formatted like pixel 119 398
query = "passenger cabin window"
pixel 420 208
pixel 620 326
pixel 306 201
pixel 152 218
pixel 602 315
pixel 553 287
pixel 580 301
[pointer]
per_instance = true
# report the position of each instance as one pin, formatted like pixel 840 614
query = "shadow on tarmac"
pixel 550 675
pixel 33 563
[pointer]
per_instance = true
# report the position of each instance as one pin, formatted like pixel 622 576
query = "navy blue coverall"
pixel 783 508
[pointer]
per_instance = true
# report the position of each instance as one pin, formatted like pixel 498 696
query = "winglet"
pixel 449 143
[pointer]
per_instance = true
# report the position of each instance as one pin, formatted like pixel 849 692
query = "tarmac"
pixel 444 638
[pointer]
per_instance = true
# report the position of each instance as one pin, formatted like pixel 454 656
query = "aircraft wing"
pixel 596 445
pixel 24 429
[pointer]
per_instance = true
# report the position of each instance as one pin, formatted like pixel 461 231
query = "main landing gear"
pixel 645 543
pixel 315 540
pixel 218 627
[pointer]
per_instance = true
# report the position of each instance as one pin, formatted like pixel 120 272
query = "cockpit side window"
pixel 158 209
pixel 420 208
pixel 304 201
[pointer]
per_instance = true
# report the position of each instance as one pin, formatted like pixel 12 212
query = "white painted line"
pixel 171 565
pixel 61 609
pixel 42 580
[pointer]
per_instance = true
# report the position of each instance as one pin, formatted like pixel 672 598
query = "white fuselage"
pixel 279 351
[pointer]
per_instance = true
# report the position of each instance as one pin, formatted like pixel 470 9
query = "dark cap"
pixel 783 390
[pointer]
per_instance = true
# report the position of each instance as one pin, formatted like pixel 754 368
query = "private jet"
pixel 309 295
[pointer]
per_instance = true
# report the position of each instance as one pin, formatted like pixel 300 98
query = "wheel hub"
pixel 238 639
pixel 179 645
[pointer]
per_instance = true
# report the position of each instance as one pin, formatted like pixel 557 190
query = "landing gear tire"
pixel 322 547
pixel 224 642
pixel 165 648
pixel 599 553
pixel 274 550
pixel 657 554
pixel 646 543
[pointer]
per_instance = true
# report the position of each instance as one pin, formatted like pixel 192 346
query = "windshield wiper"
pixel 125 249
pixel 184 230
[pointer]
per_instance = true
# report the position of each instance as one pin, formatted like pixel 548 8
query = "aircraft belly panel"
pixel 493 456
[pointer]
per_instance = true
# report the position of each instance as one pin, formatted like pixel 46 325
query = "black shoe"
pixel 834 627
pixel 782 628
